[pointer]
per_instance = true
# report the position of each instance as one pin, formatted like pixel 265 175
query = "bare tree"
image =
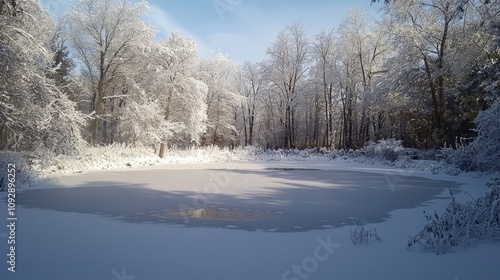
pixel 325 58
pixel 254 82
pixel 289 55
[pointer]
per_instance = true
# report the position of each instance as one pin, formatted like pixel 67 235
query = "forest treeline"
pixel 421 73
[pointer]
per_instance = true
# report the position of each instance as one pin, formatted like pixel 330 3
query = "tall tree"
pixel 104 34
pixel 181 93
pixel 289 55
pixel 368 47
pixel 35 114
pixel 254 82
pixel 429 36
pixel 325 56
pixel 221 76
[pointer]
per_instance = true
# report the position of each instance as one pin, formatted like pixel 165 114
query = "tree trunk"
pixel 327 113
pixel 244 125
pixel 287 128
pixel 98 112
pixel 292 129
pixel 251 120
pixel 162 150
pixel 434 94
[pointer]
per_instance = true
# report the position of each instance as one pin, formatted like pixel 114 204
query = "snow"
pixel 79 244
pixel 121 156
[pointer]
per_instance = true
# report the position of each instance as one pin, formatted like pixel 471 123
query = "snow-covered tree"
pixel 486 146
pixel 34 111
pixel 181 94
pixel 10 8
pixel 361 52
pixel 159 76
pixel 289 55
pixel 107 36
pixel 270 128
pixel 223 99
pixel 432 53
pixel 141 120
pixel 254 79
pixel 325 60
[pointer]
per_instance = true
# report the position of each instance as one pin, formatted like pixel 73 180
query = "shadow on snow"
pixel 344 196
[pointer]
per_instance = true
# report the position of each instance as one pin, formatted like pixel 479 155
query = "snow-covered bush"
pixel 487 143
pixel 462 157
pixel 494 180
pixel 389 149
pixel 113 156
pixel 24 175
pixel 444 168
pixel 424 154
pixel 462 225
pixel 118 156
pixel 361 236
pixel 483 153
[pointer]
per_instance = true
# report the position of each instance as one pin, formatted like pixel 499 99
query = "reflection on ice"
pixel 217 214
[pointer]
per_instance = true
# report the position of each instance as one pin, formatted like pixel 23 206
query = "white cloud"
pixel 249 41
pixel 248 30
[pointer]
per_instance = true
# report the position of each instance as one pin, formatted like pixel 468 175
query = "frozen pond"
pixel 266 198
pixel 231 221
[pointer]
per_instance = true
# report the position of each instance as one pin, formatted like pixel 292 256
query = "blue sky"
pixel 242 29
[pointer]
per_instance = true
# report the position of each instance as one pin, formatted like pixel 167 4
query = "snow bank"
pixel 119 156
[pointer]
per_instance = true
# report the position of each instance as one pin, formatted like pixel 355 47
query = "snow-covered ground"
pixel 108 224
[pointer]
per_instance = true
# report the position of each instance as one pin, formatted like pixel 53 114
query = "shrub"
pixel 462 157
pixel 462 225
pixel 483 153
pixel 487 143
pixel 389 149
pixel 361 236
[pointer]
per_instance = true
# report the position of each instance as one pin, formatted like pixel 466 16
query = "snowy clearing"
pixel 130 151
pixel 85 229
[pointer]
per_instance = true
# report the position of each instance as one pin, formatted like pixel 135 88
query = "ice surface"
pixel 310 198
pixel 83 235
